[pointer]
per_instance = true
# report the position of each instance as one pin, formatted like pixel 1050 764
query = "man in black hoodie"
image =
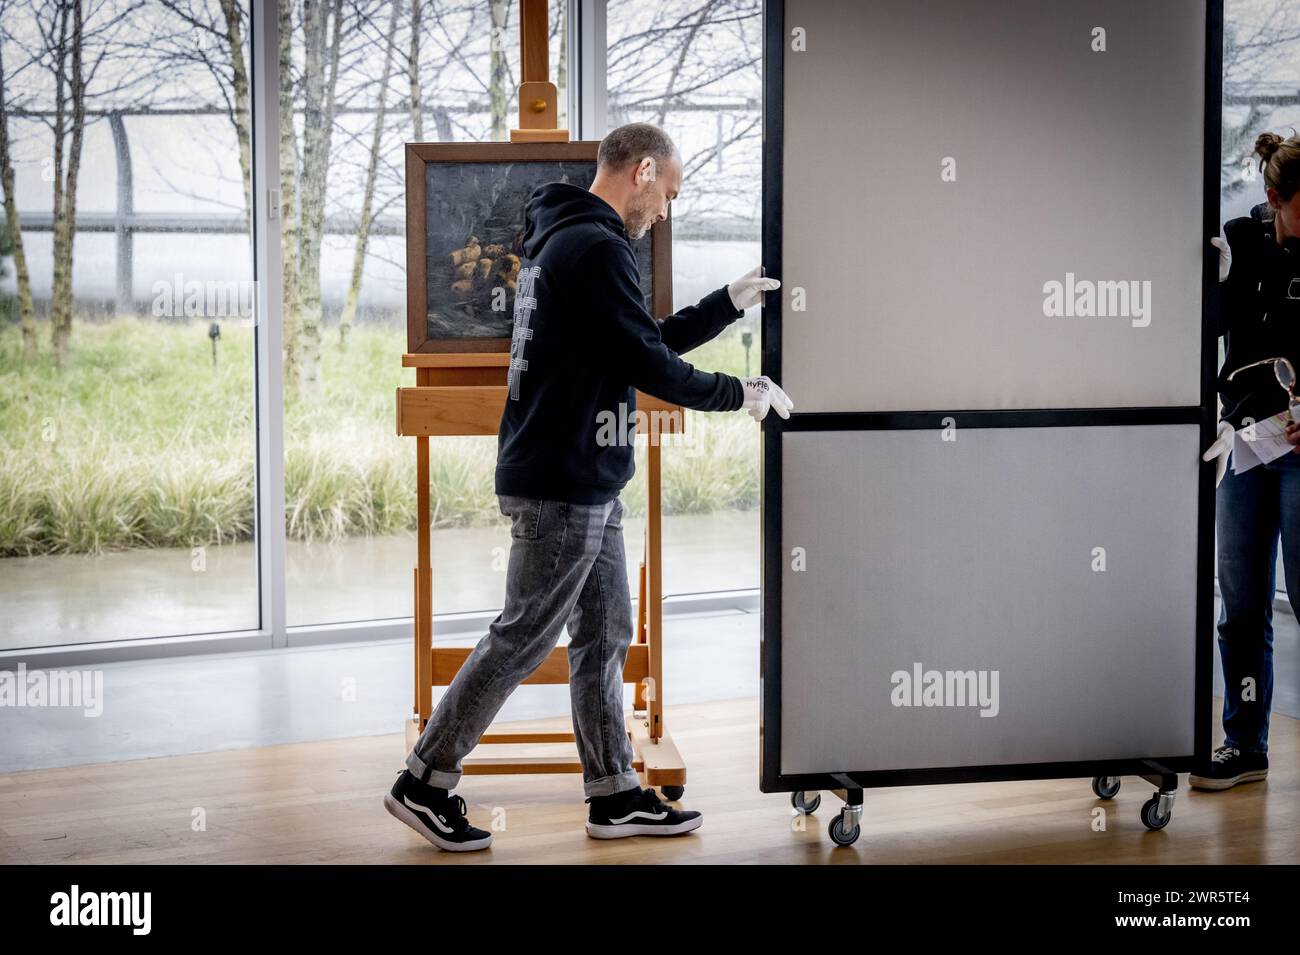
pixel 583 342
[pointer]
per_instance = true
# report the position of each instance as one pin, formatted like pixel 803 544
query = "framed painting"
pixel 464 228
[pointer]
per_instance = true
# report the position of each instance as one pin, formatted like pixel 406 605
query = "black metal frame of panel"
pixel 1206 415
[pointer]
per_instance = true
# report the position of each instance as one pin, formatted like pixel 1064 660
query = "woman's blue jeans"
pixel 1253 510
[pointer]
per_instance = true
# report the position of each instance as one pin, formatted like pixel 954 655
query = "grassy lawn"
pixel 142 442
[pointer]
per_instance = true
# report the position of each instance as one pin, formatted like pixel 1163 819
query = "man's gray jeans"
pixel 566 567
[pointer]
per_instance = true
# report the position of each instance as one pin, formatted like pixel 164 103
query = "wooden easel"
pixel 464 393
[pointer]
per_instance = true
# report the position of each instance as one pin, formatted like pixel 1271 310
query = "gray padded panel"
pixel 977 554
pixel 929 295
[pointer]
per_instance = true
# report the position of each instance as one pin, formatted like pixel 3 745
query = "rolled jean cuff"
pixel 1258 749
pixel 608 785
pixel 434 777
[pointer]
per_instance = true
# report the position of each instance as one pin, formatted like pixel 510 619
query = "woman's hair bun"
pixel 1279 161
pixel 1266 145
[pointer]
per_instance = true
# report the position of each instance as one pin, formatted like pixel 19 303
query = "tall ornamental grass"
pixel 141 441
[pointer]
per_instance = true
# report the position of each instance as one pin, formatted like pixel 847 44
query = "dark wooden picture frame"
pixel 419 156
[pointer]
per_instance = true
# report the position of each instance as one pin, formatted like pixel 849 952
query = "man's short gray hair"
pixel 631 144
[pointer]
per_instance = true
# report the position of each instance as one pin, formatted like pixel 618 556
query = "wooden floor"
pixel 321 803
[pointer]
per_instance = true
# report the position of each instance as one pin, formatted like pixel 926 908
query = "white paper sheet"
pixel 1268 443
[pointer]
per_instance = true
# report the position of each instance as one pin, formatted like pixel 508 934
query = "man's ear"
pixel 646 170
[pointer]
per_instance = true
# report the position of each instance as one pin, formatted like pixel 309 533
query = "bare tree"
pixel 368 192
pixel 291 303
pixel 212 39
pixel 322 33
pixel 81 65
pixel 675 58
pixel 64 40
pixel 1258 38
pixel 498 68
pixel 231 10
pixel 13 224
pixel 413 73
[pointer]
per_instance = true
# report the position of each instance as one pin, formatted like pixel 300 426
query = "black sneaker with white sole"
pixel 435 814
pixel 1229 766
pixel 637 812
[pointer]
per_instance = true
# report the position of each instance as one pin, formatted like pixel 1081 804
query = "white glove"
pixel 749 288
pixel 762 393
pixel 1219 451
pixel 1225 256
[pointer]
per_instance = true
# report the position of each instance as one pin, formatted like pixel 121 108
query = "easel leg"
pixel 638 692
pixel 424 588
pixel 654 591
pixel 415 641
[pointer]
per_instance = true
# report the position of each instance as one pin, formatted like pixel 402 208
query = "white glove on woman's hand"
pixel 1225 256
pixel 749 288
pixel 762 393
pixel 1219 451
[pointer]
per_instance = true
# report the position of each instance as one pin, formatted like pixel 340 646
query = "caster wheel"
pixel 839 836
pixel 1105 787
pixel 673 793
pixel 1151 817
pixel 801 802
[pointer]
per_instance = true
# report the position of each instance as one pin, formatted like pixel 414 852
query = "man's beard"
pixel 641 223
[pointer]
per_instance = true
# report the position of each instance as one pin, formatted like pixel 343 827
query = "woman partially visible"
pixel 1260 321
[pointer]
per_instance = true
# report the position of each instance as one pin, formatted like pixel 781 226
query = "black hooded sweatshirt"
pixel 583 341
pixel 1259 315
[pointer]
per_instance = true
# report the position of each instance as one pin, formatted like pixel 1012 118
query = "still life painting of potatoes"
pixel 475 223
